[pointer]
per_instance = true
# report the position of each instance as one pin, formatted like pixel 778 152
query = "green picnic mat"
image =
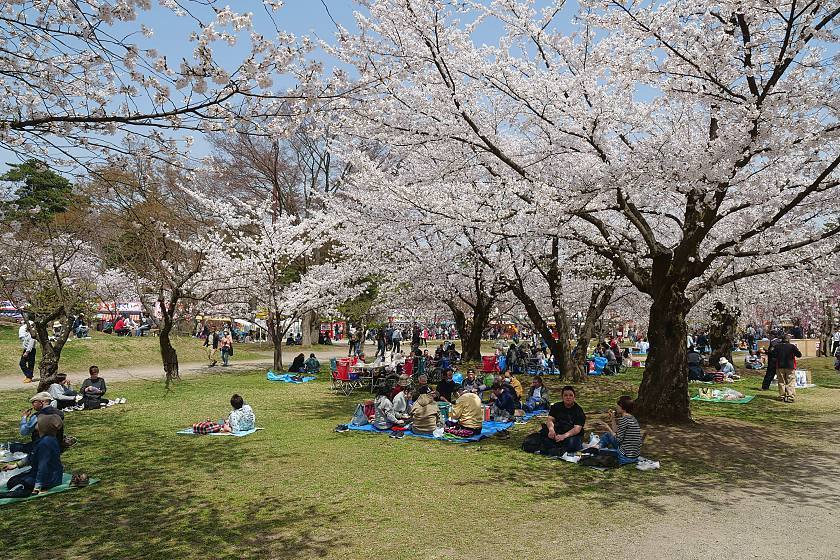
pixel 745 400
pixel 64 486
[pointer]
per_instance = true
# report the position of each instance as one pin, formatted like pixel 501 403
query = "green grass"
pixel 299 490
pixel 110 351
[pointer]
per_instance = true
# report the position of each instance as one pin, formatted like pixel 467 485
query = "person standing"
pixel 786 354
pixel 27 357
pixel 211 345
pixel 396 338
pixel 226 345
pixel 835 342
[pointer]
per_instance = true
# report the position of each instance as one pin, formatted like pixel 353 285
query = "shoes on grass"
pixel 27 380
pixel 342 428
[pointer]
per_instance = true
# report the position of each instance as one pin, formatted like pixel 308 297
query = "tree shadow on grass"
pixel 714 462
pixel 162 513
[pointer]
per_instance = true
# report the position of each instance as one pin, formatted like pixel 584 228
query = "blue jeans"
pixel 225 356
pixel 609 444
pixel 533 404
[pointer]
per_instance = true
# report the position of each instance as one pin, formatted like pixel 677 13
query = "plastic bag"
pixel 570 458
pixel 594 441
pixel 438 433
pixel 359 417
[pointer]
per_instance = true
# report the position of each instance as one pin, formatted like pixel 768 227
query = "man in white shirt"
pixel 835 342
pixel 27 358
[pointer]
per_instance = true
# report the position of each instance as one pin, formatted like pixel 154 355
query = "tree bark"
pixel 50 350
pixel 470 330
pixel 723 331
pixel 275 333
pixel 168 354
pixel 663 393
pixel 562 356
pixel 309 328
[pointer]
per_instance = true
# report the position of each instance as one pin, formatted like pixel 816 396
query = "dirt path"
pixel 155 371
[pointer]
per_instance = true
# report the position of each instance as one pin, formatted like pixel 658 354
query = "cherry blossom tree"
pixel 690 144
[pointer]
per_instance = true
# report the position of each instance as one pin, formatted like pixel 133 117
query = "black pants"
pixel 396 346
pixel 27 364
pixel 551 447
pixel 768 377
pixel 24 479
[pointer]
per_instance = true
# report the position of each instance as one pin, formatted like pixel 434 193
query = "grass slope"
pixel 299 490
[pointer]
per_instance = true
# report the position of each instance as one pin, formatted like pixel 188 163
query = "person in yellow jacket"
pixel 467 416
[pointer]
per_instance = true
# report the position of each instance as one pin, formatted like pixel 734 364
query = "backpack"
pixel 532 443
pixel 602 460
pixel 206 427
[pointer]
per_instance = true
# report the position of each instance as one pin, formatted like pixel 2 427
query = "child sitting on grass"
pixel 241 418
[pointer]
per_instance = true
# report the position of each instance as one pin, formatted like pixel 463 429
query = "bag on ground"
pixel 359 417
pixel 206 427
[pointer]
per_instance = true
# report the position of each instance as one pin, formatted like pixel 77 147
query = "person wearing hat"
pixel 400 399
pixel 44 454
pixel 727 369
pixel 42 406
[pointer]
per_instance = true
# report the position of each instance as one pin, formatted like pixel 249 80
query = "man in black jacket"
pixel 786 353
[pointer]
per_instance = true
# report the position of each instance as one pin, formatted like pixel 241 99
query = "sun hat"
pixel 722 360
pixel 42 396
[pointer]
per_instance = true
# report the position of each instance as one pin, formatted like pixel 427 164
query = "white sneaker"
pixel 121 400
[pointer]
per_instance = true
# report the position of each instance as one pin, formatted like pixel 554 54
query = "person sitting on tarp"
pixel 473 384
pixel 727 369
pixel 298 367
pixel 753 361
pixel 514 384
pixel 384 417
pixel 400 398
pixel 563 430
pixel 444 389
pixel 425 413
pixel 538 398
pixel 241 418
pixel 695 367
pixel 312 366
pixel 466 417
pixel 505 402
pixel 41 406
pixel 623 436
pixel 46 470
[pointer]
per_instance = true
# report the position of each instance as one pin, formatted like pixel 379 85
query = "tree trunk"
pixel 722 332
pixel 309 328
pixel 663 394
pixel 168 354
pixel 275 333
pixel 563 357
pixel 50 350
pixel 470 331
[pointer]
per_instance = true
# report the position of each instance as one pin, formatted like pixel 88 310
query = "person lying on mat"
pixel 623 436
pixel 538 398
pixel 44 460
pixel 467 416
pixel 384 417
pixel 563 430
pixel 444 389
pixel 241 418
pixel 505 402
pixel 312 365
pixel 425 413
pixel 400 398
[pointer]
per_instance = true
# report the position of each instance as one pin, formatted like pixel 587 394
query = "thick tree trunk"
pixel 309 328
pixel 563 357
pixel 50 351
pixel 663 394
pixel 470 330
pixel 722 332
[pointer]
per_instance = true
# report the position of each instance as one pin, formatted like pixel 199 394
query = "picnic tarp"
pixel 190 432
pixel 288 378
pixel 744 400
pixel 63 487
pixel 487 429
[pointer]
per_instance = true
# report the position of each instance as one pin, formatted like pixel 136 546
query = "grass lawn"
pixel 299 490
pixel 110 351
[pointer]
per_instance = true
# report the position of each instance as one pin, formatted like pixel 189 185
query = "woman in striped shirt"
pixel 624 437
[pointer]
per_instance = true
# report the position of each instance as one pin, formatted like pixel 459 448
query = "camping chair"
pixel 344 379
